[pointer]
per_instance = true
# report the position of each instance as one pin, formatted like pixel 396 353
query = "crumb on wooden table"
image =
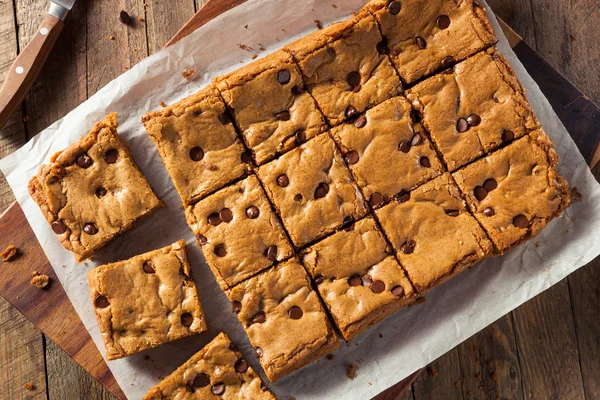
pixel 141 19
pixel 38 280
pixel 111 37
pixel 188 73
pixel 29 386
pixel 351 371
pixel 10 253
pixel 431 371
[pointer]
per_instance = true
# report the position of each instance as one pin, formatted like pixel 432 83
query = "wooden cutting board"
pixel 52 312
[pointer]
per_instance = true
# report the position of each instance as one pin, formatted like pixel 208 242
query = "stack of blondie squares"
pixel 329 185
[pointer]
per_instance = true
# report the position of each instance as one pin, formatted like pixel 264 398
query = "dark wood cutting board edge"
pixel 52 312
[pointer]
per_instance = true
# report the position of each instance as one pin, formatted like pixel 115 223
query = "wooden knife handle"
pixel 27 66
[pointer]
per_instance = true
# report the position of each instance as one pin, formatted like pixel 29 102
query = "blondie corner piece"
pixel 515 191
pixel 238 231
pixel 433 233
pixel 424 37
pixel 387 152
pixel 271 106
pixel 346 68
pixel 358 277
pixel 92 191
pixel 198 144
pixel 146 301
pixel 313 190
pixel 473 108
pixel 218 371
pixel 283 318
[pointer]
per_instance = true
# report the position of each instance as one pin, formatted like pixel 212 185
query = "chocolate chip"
pixel 147 267
pixel 376 199
pixel 196 153
pixel 283 180
pixel 218 389
pixel 377 287
pixel 90 228
pixel 300 137
pixel 351 157
pixel 382 46
pixel 271 253
pixel 226 215
pixel 404 146
pixel 259 317
pixel 507 135
pixel 319 279
pixel 397 290
pixel 462 125
pixel 521 221
pixel 111 156
pixel 232 346
pixel 408 247
pixel 283 115
pixel 420 42
pixel 394 7
pixel 473 120
pixel 84 161
pixel 214 219
pixel 403 197
pixel 443 22
pixel 283 76
pixel 258 351
pixel 187 319
pixel 296 90
pixel 353 78
pixel 448 61
pixel 189 387
pixel 295 312
pixel 490 184
pixel 425 163
pixel 202 239
pixel 321 190
pixel 415 116
pixel 350 112
pixel 224 118
pixel 58 227
pixel 241 366
pixel 489 212
pixel 355 280
pixel 360 122
pixel 201 380
pixel 246 157
pixel 101 301
pixel 236 306
pixel 124 17
pixel 480 193
pixel 416 140
pixel 100 192
pixel 220 250
pixel 252 212
pixel 452 213
pixel 298 197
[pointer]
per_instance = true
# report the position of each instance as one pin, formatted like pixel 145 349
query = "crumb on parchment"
pixel 188 73
pixel 351 371
pixel 10 253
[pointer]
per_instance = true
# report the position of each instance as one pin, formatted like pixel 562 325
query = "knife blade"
pixel 60 8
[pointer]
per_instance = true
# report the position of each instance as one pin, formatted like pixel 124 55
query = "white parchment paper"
pixel 403 343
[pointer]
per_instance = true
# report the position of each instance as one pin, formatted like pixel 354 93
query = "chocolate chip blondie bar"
pixel 92 191
pixel 434 235
pixel 423 37
pixel 358 277
pixel 346 68
pixel 283 318
pixel 146 301
pixel 515 191
pixel 312 190
pixel 217 371
pixel 473 108
pixel 387 151
pixel 271 106
pixel 198 144
pixel 238 231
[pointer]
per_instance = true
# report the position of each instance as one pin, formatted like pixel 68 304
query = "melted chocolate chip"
pixel 403 197
pixel 416 140
pixel 319 279
pixel 252 212
pixel 218 389
pixel 224 118
pixel 58 227
pixel 271 253
pixel 259 317
pixel 236 306
pixel 462 125
pixel 382 46
pixel 111 156
pixel 196 153
pixel 480 193
pixel 226 215
pixel 507 135
pixel 447 61
pixel 283 115
pixel 148 268
pixel 187 319
pixel 84 161
pixel 521 221
pixel 394 7
pixel 355 280
pixel 258 351
pixel 377 287
pixel 425 163
pixel 321 190
pixel 241 366
pixel 351 157
pixel 214 219
pixel 90 228
pixel 100 192
pixel 404 146
pixel 452 213
pixel 101 301
pixel 220 250
pixel 360 122
pixel 202 239
pixel 295 312
pixel 397 290
pixel 298 197
pixel 246 157
pixel 473 120
pixel 420 42
pixel 408 247
pixel 489 212
pixel 415 116
pixel 201 380
pixel 300 137
pixel 490 184
pixel 443 22
pixel 353 78
pixel 283 76
pixel 350 112
pixel 283 180
pixel 376 199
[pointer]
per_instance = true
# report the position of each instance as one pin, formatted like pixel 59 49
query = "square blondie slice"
pixel 515 191
pixel 345 67
pixel 93 191
pixel 238 231
pixel 473 108
pixel 284 319
pixel 271 106
pixel 433 234
pixel 198 144
pixel 219 370
pixel 312 190
pixel 387 152
pixel 358 277
pixel 423 37
pixel 146 301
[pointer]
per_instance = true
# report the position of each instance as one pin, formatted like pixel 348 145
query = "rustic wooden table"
pixel 549 348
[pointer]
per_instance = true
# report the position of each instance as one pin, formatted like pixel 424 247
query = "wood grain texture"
pixel 165 19
pixel 518 14
pixel 440 380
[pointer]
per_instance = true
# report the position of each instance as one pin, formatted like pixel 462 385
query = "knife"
pixel 31 59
